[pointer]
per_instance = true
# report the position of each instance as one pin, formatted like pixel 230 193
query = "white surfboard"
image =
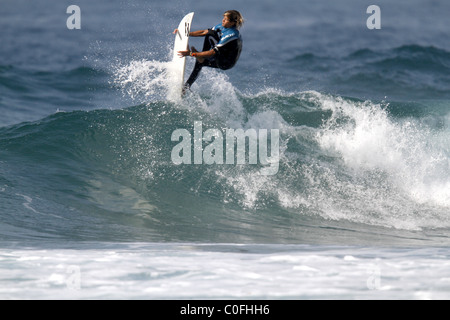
pixel 181 44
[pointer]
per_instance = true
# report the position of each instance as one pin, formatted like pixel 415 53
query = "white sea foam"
pixel 403 165
pixel 181 271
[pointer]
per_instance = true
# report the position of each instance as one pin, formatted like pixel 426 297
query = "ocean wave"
pixel 343 162
pixel 410 56
pixel 29 94
pixel 407 72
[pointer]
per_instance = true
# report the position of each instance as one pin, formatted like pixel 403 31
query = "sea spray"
pixel 143 80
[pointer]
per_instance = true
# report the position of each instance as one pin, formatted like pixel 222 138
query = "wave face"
pixel 346 166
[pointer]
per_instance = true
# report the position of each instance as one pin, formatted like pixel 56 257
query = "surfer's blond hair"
pixel 235 16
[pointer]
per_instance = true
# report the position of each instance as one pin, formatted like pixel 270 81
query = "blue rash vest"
pixel 229 46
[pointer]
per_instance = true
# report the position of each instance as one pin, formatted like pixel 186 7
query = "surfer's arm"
pixel 199 33
pixel 203 54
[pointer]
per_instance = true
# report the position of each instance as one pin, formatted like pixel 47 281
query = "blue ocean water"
pixel 92 205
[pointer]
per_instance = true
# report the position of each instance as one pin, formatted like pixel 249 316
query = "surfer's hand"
pixel 175 31
pixel 184 53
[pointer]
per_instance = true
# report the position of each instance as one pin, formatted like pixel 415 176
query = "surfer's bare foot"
pixel 198 58
pixel 184 89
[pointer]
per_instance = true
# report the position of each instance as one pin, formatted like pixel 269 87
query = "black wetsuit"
pixel 227 44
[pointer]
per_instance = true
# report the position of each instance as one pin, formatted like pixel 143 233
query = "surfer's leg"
pixel 207 45
pixel 197 68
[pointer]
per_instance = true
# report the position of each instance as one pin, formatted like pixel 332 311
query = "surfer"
pixel 221 48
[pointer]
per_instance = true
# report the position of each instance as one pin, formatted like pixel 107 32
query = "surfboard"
pixel 181 43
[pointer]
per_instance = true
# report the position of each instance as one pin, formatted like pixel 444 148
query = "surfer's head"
pixel 232 18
